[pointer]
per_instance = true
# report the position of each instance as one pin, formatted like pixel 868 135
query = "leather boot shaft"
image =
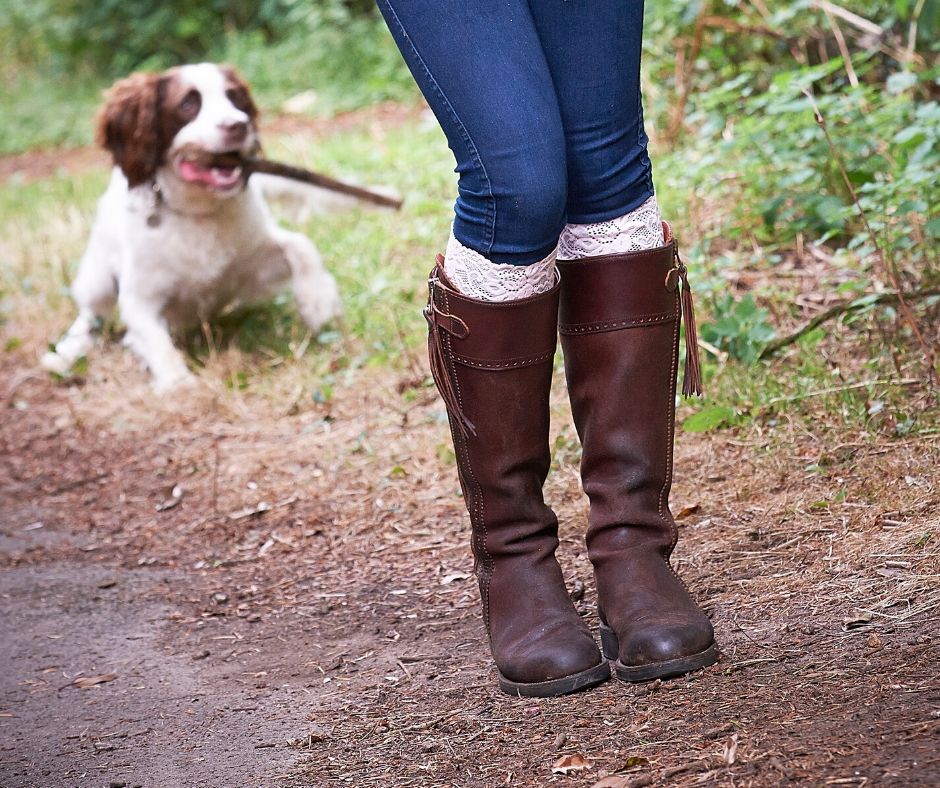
pixel 619 324
pixel 492 363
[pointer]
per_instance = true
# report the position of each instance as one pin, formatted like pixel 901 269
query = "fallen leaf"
pixel 251 511
pixel 83 682
pixel 730 752
pixel 174 499
pixel 636 760
pixel 613 781
pixel 577 591
pixel 686 511
pixel 856 622
pixel 571 763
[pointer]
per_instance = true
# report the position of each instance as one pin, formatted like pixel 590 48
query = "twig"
pixel 866 26
pixel 863 24
pixel 255 164
pixel 733 26
pixel 912 32
pixel 215 476
pixel 839 389
pixel 839 309
pixel 887 264
pixel 843 49
pixel 78 483
pixel 210 340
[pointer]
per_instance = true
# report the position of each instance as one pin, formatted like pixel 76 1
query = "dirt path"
pixel 161 723
pixel 304 615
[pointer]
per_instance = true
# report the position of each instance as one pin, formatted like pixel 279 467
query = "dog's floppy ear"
pixel 129 125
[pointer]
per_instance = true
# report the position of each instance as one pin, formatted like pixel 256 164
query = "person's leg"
pixel 483 73
pixel 593 54
pixel 619 324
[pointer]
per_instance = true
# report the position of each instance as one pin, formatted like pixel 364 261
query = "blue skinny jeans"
pixel 540 103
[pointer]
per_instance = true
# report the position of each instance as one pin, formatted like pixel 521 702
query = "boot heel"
pixel 609 643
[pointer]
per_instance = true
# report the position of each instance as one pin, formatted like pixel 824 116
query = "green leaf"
pixel 901 81
pixel 830 209
pixel 709 419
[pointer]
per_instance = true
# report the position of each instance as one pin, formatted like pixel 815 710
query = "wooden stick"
pixel 253 164
pixel 860 22
pixel 843 48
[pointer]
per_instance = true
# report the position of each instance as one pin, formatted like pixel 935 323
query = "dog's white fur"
pixel 172 252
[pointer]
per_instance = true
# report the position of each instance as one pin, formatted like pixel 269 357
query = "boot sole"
pixel 670 668
pixel 555 687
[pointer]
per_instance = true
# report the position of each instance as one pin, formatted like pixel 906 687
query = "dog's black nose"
pixel 235 131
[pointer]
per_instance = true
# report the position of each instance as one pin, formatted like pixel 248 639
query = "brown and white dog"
pixel 180 233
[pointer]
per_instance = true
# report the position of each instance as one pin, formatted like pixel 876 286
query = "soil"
pixel 302 611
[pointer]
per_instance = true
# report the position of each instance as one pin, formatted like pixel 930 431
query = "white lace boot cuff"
pixel 635 231
pixel 475 276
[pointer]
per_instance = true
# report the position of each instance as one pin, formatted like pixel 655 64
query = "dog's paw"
pixel 176 381
pixel 56 364
pixel 319 302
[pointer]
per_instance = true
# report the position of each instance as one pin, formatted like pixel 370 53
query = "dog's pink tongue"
pixel 215 177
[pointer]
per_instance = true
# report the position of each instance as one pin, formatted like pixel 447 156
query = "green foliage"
pixel 747 158
pixel 709 419
pixel 748 119
pixel 114 37
pixel 349 60
pixel 62 53
pixel 740 328
pixel 785 180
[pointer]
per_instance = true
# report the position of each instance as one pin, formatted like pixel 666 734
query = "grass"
pixel 381 259
pixel 851 375
pixel 28 123
pixel 49 103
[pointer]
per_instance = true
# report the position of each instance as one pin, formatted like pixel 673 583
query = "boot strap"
pixel 439 322
pixel 692 374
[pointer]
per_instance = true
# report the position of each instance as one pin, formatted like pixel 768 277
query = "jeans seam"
pixel 464 133
pixel 640 132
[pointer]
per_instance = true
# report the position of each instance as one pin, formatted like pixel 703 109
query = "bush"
pixel 115 37
pixel 743 114
pixel 62 53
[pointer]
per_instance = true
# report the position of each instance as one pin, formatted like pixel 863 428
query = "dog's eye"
pixel 189 106
pixel 239 98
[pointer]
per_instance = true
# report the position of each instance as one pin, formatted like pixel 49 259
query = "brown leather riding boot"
pixel 492 363
pixel 619 325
